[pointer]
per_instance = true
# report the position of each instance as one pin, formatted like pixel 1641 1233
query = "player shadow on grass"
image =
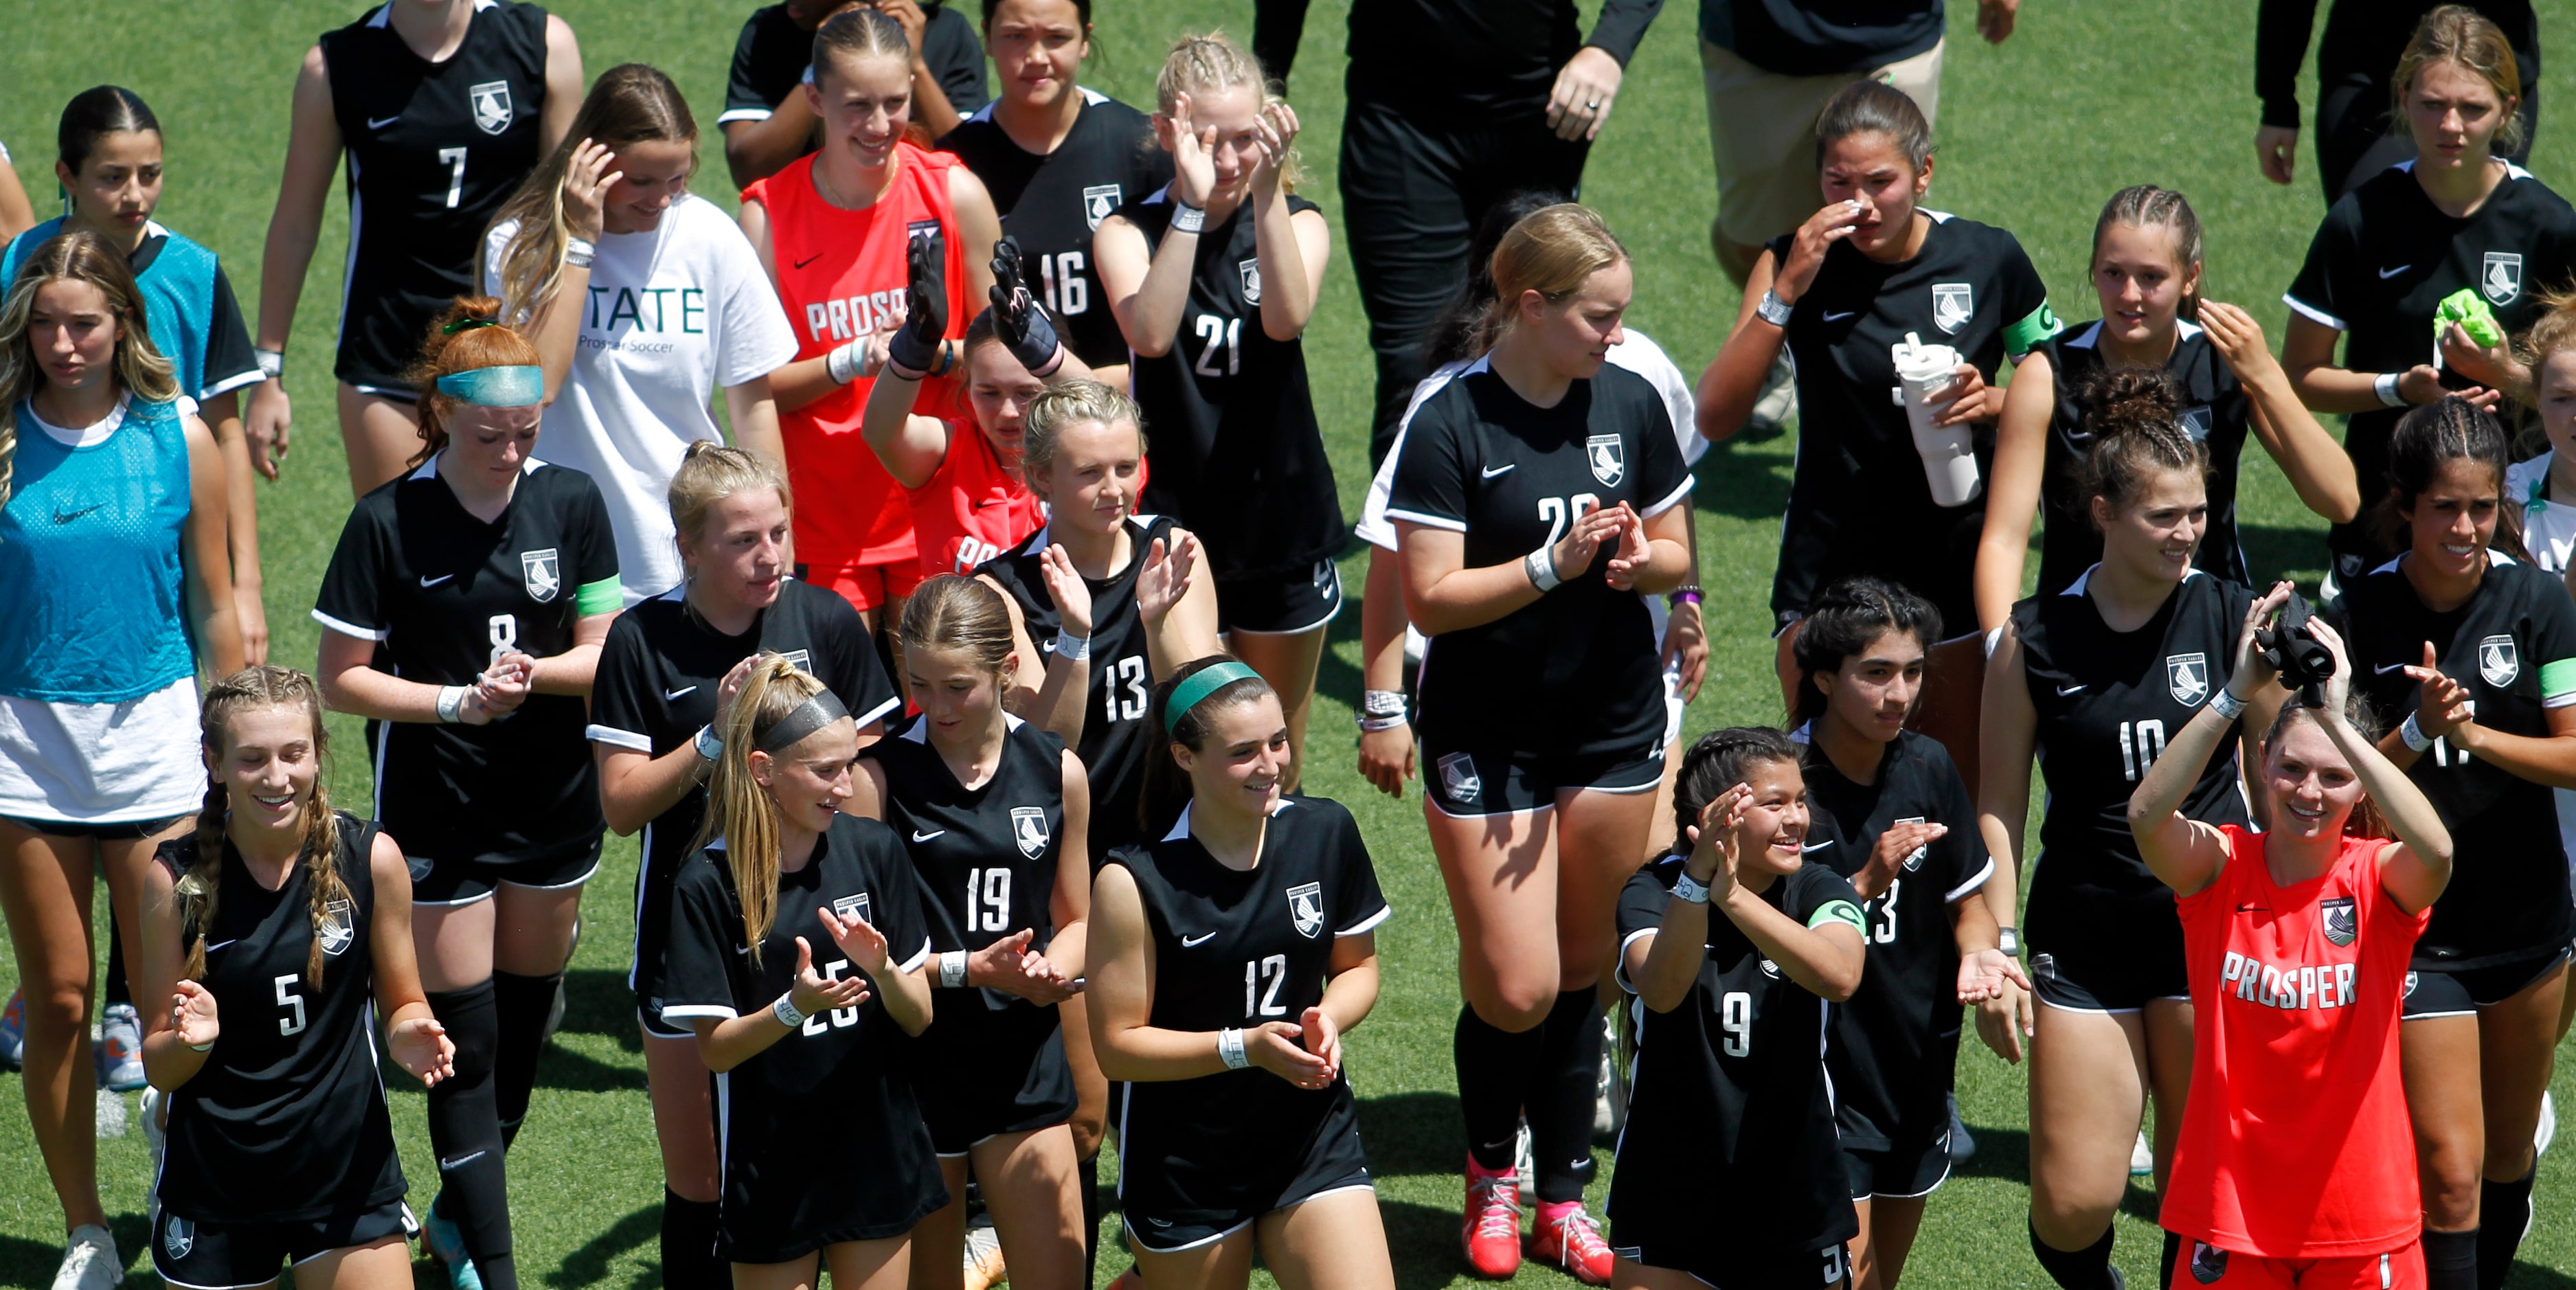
pixel 588 1265
pixel 32 1263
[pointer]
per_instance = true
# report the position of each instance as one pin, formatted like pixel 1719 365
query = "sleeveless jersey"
pixel 290 1094
pixel 188 306
pixel 89 558
pixel 434 150
pixel 1114 729
pixel 845 1074
pixel 973 507
pixel 842 275
pixel 1731 1097
pixel 2514 645
pixel 2296 1143
pixel 2215 411
pixel 1051 203
pixel 985 856
pixel 1238 458
pixel 2105 702
pixel 1236 949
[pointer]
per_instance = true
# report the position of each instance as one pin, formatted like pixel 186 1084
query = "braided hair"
pixel 201 886
pixel 2133 416
pixel 1721 760
pixel 1844 621
pixel 2429 437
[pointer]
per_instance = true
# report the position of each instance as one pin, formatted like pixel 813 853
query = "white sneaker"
pixel 2142 1158
pixel 2548 1131
pixel 90 1261
pixel 1523 1170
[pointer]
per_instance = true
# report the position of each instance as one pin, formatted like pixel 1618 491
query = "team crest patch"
pixel 339 927
pixel 2501 280
pixel 1029 829
pixel 1915 861
pixel 2196 421
pixel 178 1236
pixel 2341 921
pixel 1607 457
pixel 2187 678
pixel 2208 1263
pixel 847 906
pixel 1771 969
pixel 2409 992
pixel 801 660
pixel 1458 775
pixel 491 101
pixel 1953 304
pixel 2498 662
pixel 1098 201
pixel 1251 271
pixel 1306 906
pixel 543 574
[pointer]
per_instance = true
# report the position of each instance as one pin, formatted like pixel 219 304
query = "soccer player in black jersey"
pixel 1537 491
pixel 993 810
pixel 1213 279
pixel 2458 218
pixel 442 109
pixel 2147 271
pixel 271 930
pixel 666 682
pixel 2361 45
pixel 1903 833
pixel 1244 937
pixel 2478 646
pixel 1058 159
pixel 2094 678
pixel 1857 279
pixel 797 946
pixel 1729 1171
pixel 464 609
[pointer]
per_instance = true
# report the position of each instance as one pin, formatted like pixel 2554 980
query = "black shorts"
pixel 134 831
pixel 1157 1219
pixel 462 882
pixel 2460 992
pixel 1288 604
pixel 222 1256
pixel 1899 1173
pixel 1793 1270
pixel 983 1071
pixel 2080 979
pixel 1473 781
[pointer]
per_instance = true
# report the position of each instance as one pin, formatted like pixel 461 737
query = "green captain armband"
pixel 2558 683
pixel 2472 314
pixel 1837 911
pixel 2022 337
pixel 603 596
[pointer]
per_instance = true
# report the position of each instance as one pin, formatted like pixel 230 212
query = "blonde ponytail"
pixel 739 811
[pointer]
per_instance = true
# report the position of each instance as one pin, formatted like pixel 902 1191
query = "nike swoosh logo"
pixel 1200 939
pixel 60 518
pixel 1491 472
pixel 919 836
pixel 445 1164
pixel 2386 274
pixel 219 945
pixel 378 123
pixel 432 582
pixel 809 259
pixel 2064 690
pixel 686 689
pixel 2386 668
pixel 1817 846
pixel 1840 316
pixel 742 949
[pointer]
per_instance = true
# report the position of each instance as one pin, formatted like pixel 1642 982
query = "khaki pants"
pixel 1762 132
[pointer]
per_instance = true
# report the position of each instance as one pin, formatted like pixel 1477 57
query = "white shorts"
pixel 102 763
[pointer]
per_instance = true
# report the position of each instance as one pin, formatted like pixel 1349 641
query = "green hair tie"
pixel 466 324
pixel 1200 684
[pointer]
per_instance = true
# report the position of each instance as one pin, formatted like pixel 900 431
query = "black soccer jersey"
pixel 1895 1042
pixel 2514 645
pixel 656 686
pixel 823 1141
pixel 2215 411
pixel 1051 202
pixel 443 593
pixel 1238 457
pixel 771 56
pixel 2380 266
pixel 289 1095
pixel 1114 729
pixel 1859 502
pixel 2105 703
pixel 1731 1097
pixel 1235 949
pixel 434 150
pixel 985 856
pixel 1582 661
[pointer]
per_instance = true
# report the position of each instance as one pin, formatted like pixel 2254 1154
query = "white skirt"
pixel 102 763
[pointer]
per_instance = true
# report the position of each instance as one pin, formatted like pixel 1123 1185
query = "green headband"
pixel 496 387
pixel 1202 683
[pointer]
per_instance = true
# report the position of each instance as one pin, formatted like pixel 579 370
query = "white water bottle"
pixel 1948 452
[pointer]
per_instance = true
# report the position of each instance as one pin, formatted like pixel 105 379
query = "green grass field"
pixel 2088 96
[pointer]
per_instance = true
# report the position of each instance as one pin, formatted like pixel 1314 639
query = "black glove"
pixel 1022 326
pixel 914 348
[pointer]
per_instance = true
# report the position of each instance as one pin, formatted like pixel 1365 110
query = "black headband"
pixel 811 715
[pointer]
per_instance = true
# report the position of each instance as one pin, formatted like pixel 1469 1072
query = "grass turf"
pixel 2084 99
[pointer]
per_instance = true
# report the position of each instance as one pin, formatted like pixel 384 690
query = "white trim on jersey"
pixel 231 383
pixel 1383 913
pixel 1181 826
pixel 350 629
pixel 2494 556
pixel 635 957
pixel 731 115
pixel 616 738
pixel 1039 541
pixel 2076 588
pixel 1090 98
pixel 909 965
pixel 718 1011
pixel 2090 337
pixel 1968 888
pixel 1427 521
pixel 2314 314
pixel 1681 493
pixel 1619 966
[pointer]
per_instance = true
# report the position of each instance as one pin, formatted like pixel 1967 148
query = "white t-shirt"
pixel 672 316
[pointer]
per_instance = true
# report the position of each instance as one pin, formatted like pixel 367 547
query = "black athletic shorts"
pixel 135 831
pixel 1288 604
pixel 1900 1173
pixel 2460 992
pixel 223 1256
pixel 982 1071
pixel 1472 782
pixel 1334 1162
pixel 462 882
pixel 1793 1270
pixel 2105 978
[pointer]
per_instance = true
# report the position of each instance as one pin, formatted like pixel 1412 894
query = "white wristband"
pixel 272 362
pixel 451 702
pixel 1541 567
pixel 207 1046
pixel 1068 645
pixel 1229 1046
pixel 2226 704
pixel 1687 888
pixel 1372 725
pixel 2386 388
pixel 2413 733
pixel 1382 703
pixel 708 746
pixel 952 969
pixel 786 1012
pixel 1187 218
pixel 842 364
pixel 579 252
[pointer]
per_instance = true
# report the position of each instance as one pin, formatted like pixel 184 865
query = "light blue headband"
pixel 496 387
pixel 1202 683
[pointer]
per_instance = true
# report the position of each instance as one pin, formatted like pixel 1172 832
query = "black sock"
pixel 689 1259
pixel 521 1003
pixel 118 991
pixel 2450 1260
pixel 2173 1255
pixel 2085 1269
pixel 1492 1065
pixel 2504 1214
pixel 465 1130
pixel 1558 1096
pixel 1087 1177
